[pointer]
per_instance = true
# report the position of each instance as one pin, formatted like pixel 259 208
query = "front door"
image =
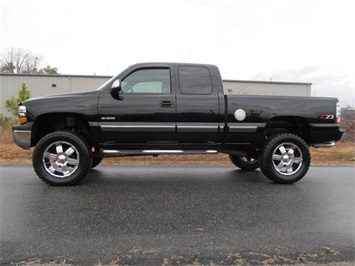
pixel 145 113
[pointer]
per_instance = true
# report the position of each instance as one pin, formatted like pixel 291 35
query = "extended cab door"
pixel 146 111
pixel 198 119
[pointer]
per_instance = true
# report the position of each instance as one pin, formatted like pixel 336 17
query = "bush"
pixel 347 123
pixel 6 124
pixel 12 103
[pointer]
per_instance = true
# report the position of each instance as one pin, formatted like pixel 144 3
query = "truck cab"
pixel 167 104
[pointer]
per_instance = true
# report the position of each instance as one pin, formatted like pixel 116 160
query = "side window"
pixel 195 80
pixel 147 81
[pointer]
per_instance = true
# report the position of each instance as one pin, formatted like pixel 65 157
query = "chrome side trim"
pixel 197 127
pixel 324 125
pixel 137 127
pixel 243 128
pixel 22 138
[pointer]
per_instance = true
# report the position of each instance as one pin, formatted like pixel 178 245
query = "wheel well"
pixel 288 124
pixel 48 123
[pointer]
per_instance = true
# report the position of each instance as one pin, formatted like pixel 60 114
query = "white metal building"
pixel 40 85
pixel 248 87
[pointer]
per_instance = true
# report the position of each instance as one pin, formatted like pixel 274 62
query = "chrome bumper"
pixel 338 137
pixel 22 138
pixel 324 145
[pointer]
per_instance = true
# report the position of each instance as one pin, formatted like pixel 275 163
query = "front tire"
pixel 285 159
pixel 61 159
pixel 246 163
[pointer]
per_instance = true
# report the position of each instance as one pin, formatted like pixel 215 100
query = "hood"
pixel 56 96
pixel 77 103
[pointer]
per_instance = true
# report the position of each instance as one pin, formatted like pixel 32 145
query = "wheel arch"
pixel 289 124
pixel 51 122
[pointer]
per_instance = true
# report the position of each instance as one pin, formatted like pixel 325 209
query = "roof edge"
pixel 54 75
pixel 269 82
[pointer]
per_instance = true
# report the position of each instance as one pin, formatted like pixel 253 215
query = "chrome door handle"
pixel 166 104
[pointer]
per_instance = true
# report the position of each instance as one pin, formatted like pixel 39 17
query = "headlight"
pixel 22 118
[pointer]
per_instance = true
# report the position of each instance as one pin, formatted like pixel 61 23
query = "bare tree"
pixel 17 60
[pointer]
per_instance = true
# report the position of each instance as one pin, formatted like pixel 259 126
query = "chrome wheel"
pixel 61 159
pixel 287 158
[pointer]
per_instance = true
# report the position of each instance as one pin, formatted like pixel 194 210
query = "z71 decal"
pixel 326 117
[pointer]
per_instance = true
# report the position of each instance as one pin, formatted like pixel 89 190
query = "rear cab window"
pixel 195 80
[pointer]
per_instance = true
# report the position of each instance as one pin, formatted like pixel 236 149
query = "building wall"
pixel 41 85
pixel 266 88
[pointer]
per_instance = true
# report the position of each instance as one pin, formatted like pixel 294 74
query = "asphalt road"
pixel 155 215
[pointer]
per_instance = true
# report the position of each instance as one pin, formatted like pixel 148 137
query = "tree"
pixel 49 70
pixel 347 123
pixel 12 103
pixel 17 60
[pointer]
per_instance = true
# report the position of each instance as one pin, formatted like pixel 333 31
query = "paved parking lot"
pixel 152 215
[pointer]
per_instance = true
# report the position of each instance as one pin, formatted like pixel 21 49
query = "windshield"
pixel 105 84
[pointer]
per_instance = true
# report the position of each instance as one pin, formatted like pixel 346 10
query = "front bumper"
pixel 22 135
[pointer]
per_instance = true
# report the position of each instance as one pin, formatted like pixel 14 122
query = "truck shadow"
pixel 176 175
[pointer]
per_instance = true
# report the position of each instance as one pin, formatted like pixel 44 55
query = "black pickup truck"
pixel 171 108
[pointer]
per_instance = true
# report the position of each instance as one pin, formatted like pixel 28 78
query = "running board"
pixel 153 152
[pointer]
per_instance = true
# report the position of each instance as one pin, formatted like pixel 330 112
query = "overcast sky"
pixel 300 41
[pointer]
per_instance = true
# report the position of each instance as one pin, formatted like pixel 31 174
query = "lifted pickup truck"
pixel 171 108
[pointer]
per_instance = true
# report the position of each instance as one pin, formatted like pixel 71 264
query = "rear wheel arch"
pixel 288 124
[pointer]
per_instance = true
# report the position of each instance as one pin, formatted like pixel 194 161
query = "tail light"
pixel 338 113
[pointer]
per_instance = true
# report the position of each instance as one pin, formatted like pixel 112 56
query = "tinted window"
pixel 195 80
pixel 147 81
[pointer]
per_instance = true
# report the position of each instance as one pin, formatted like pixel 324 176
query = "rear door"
pixel 146 112
pixel 198 108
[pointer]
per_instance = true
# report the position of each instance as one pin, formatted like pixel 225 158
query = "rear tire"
pixel 285 158
pixel 61 159
pixel 246 163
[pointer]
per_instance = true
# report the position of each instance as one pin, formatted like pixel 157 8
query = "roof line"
pixel 269 82
pixel 108 77
pixel 54 75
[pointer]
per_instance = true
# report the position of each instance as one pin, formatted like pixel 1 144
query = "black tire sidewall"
pixel 77 142
pixel 239 162
pixel 266 162
pixel 95 161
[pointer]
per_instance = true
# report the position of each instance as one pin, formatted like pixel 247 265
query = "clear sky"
pixel 283 40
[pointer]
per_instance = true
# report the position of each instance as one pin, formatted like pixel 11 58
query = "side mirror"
pixel 116 89
pixel 116 84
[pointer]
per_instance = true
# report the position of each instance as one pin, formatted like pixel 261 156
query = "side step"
pixel 153 152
